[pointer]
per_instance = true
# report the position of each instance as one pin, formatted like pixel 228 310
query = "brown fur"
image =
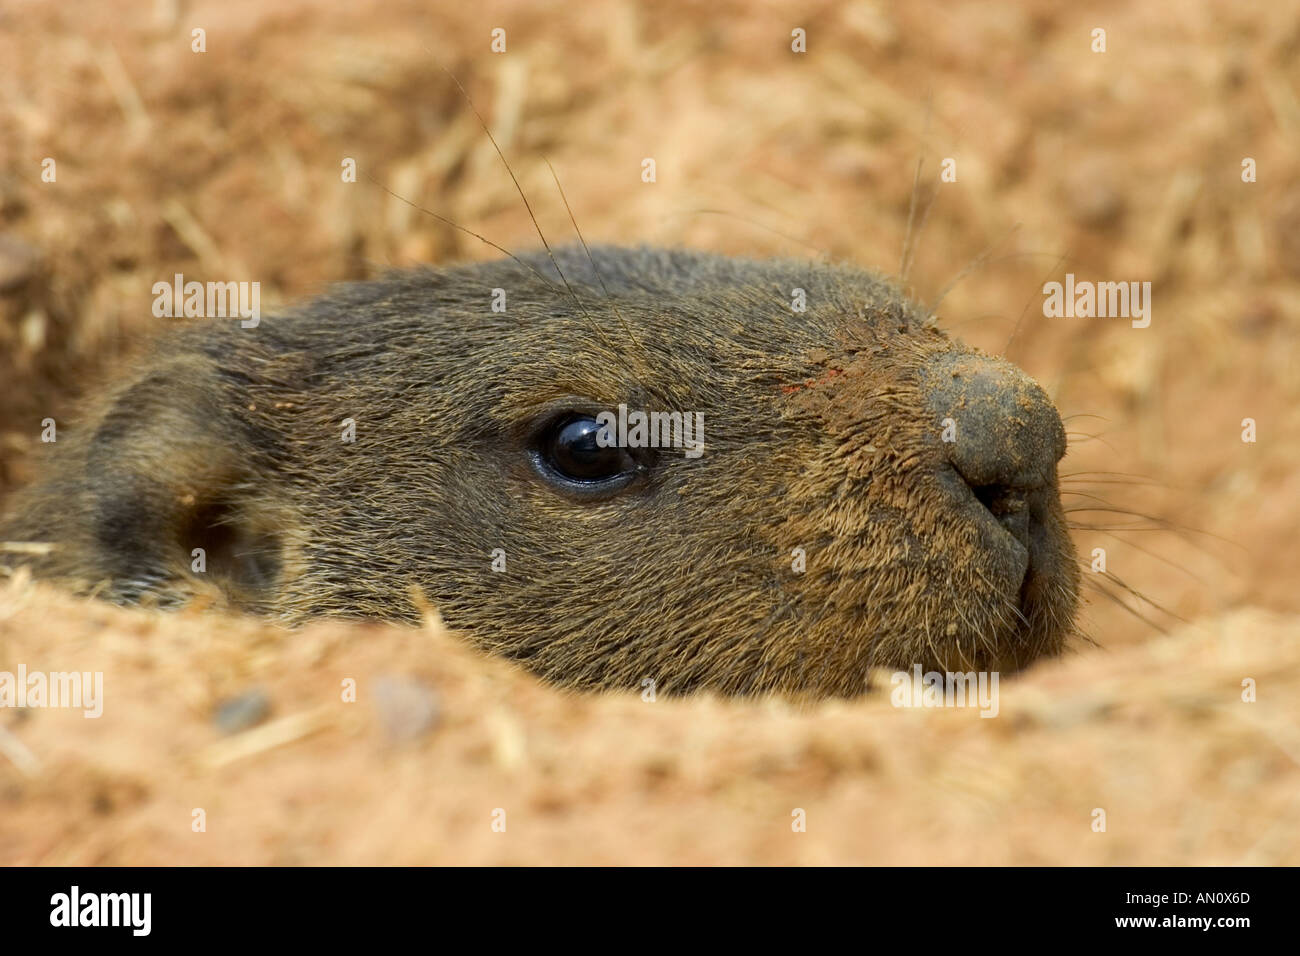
pixel 821 433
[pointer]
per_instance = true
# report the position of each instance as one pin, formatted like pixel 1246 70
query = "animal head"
pixel 824 483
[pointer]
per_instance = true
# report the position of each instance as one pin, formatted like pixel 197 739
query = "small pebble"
pixel 242 711
pixel 18 262
pixel 407 708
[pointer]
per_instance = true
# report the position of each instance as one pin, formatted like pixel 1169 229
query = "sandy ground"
pixel 1156 736
pixel 1116 166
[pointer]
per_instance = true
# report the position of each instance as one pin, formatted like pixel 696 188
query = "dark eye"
pixel 568 454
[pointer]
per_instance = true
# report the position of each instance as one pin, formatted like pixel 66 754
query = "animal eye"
pixel 568 454
pixel 576 454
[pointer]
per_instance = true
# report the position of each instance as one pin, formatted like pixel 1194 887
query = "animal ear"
pixel 172 497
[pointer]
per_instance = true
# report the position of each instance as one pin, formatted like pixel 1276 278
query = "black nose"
pixel 999 431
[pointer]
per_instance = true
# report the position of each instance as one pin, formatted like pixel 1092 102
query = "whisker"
pixel 527 205
pixel 1097 586
pixel 911 216
pixel 1006 349
pixel 1160 524
pixel 1147 551
pixel 1114 578
pixel 1122 474
pixel 979 262
pixel 599 278
pixel 455 225
pixel 821 253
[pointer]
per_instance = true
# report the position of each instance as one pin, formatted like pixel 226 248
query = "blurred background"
pixel 1123 165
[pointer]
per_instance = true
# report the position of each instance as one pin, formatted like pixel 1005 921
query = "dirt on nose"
pixel 998 426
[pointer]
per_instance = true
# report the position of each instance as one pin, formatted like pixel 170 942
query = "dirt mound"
pixel 439 745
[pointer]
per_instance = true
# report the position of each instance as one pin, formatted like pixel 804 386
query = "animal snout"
pixel 999 432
